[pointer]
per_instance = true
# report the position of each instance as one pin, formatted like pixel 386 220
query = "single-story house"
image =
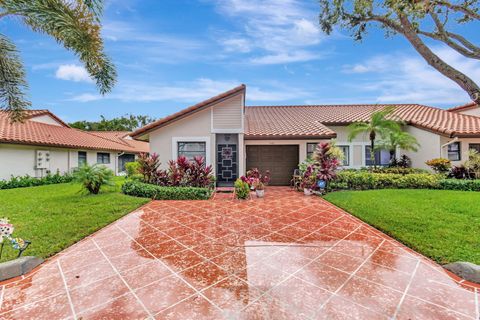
pixel 43 143
pixel 234 138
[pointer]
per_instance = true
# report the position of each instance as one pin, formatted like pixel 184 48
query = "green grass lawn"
pixel 443 225
pixel 54 217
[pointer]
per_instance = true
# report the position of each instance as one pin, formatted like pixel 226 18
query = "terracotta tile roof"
pixel 36 133
pixel 467 106
pixel 313 120
pixel 185 112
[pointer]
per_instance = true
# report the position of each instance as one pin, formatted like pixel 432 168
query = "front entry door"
pixel 227 159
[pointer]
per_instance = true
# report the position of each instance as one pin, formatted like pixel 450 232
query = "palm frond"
pixel 75 25
pixel 13 84
pixel 354 129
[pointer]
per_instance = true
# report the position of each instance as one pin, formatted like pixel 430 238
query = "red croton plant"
pixel 180 173
pixel 324 167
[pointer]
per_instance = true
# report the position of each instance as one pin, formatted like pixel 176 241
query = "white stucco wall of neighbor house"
pixel 430 147
pixel 20 160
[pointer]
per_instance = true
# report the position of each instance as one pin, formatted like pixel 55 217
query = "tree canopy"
pixel 128 122
pixel 417 21
pixel 73 24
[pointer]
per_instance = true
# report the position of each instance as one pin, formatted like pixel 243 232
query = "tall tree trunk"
pixel 372 148
pixel 441 66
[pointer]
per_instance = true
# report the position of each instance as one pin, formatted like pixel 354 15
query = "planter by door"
pixel 260 193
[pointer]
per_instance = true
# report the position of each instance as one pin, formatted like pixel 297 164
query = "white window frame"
pixel 176 140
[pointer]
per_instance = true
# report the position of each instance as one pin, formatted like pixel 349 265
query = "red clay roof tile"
pixel 36 133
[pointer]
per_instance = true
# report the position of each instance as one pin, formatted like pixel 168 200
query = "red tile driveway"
pixel 286 256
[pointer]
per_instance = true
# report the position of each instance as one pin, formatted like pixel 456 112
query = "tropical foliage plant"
pixel 73 24
pixel 242 189
pixel 394 140
pixel 127 122
pixel 28 181
pixel 439 165
pixel 93 177
pixel 255 179
pixel 380 124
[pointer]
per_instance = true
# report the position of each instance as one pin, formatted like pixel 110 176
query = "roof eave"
pixel 290 137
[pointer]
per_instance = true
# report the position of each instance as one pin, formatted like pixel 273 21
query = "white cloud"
pixel 397 78
pixel 72 72
pixel 190 92
pixel 281 29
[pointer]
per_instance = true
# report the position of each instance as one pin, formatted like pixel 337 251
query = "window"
pixel 474 146
pixel 103 157
pixel 346 154
pixel 454 151
pixel 82 158
pixel 311 149
pixel 382 157
pixel 192 149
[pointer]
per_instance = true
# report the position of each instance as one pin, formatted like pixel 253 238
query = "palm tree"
pixel 398 140
pixel 73 24
pixel 379 124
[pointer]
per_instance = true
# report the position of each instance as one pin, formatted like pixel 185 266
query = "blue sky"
pixel 173 53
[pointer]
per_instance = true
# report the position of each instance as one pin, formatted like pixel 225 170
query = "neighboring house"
pixel 234 138
pixel 43 143
pixel 471 109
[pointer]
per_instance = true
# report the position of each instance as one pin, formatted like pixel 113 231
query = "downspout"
pixel 446 144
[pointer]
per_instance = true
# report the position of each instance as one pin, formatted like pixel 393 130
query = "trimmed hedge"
pixel 28 181
pixel 463 185
pixel 361 180
pixel 146 190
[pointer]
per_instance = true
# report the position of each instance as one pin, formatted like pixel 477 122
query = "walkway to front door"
pixel 282 257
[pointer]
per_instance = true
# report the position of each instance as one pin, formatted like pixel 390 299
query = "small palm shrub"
pixel 93 177
pixel 242 189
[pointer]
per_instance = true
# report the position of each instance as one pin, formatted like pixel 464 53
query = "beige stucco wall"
pixel 46 119
pixel 19 160
pixel 430 147
pixel 196 127
pixel 472 112
pixel 464 147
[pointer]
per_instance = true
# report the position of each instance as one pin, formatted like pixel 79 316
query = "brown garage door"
pixel 280 160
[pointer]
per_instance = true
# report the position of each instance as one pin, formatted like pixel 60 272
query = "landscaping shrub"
pixel 132 168
pixel 28 181
pixel 93 177
pixel 146 190
pixel 439 165
pixel 363 180
pixel 180 173
pixel 242 189
pixel 462 185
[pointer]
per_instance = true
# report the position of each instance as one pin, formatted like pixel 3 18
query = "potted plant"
pixel 259 188
pixel 308 181
pixel 257 181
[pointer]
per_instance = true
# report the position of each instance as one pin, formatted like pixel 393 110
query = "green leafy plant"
pixel 28 181
pixel 398 140
pixel 242 189
pixel 132 168
pixel 439 165
pixel 380 124
pixel 147 190
pixel 473 163
pixel 93 177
